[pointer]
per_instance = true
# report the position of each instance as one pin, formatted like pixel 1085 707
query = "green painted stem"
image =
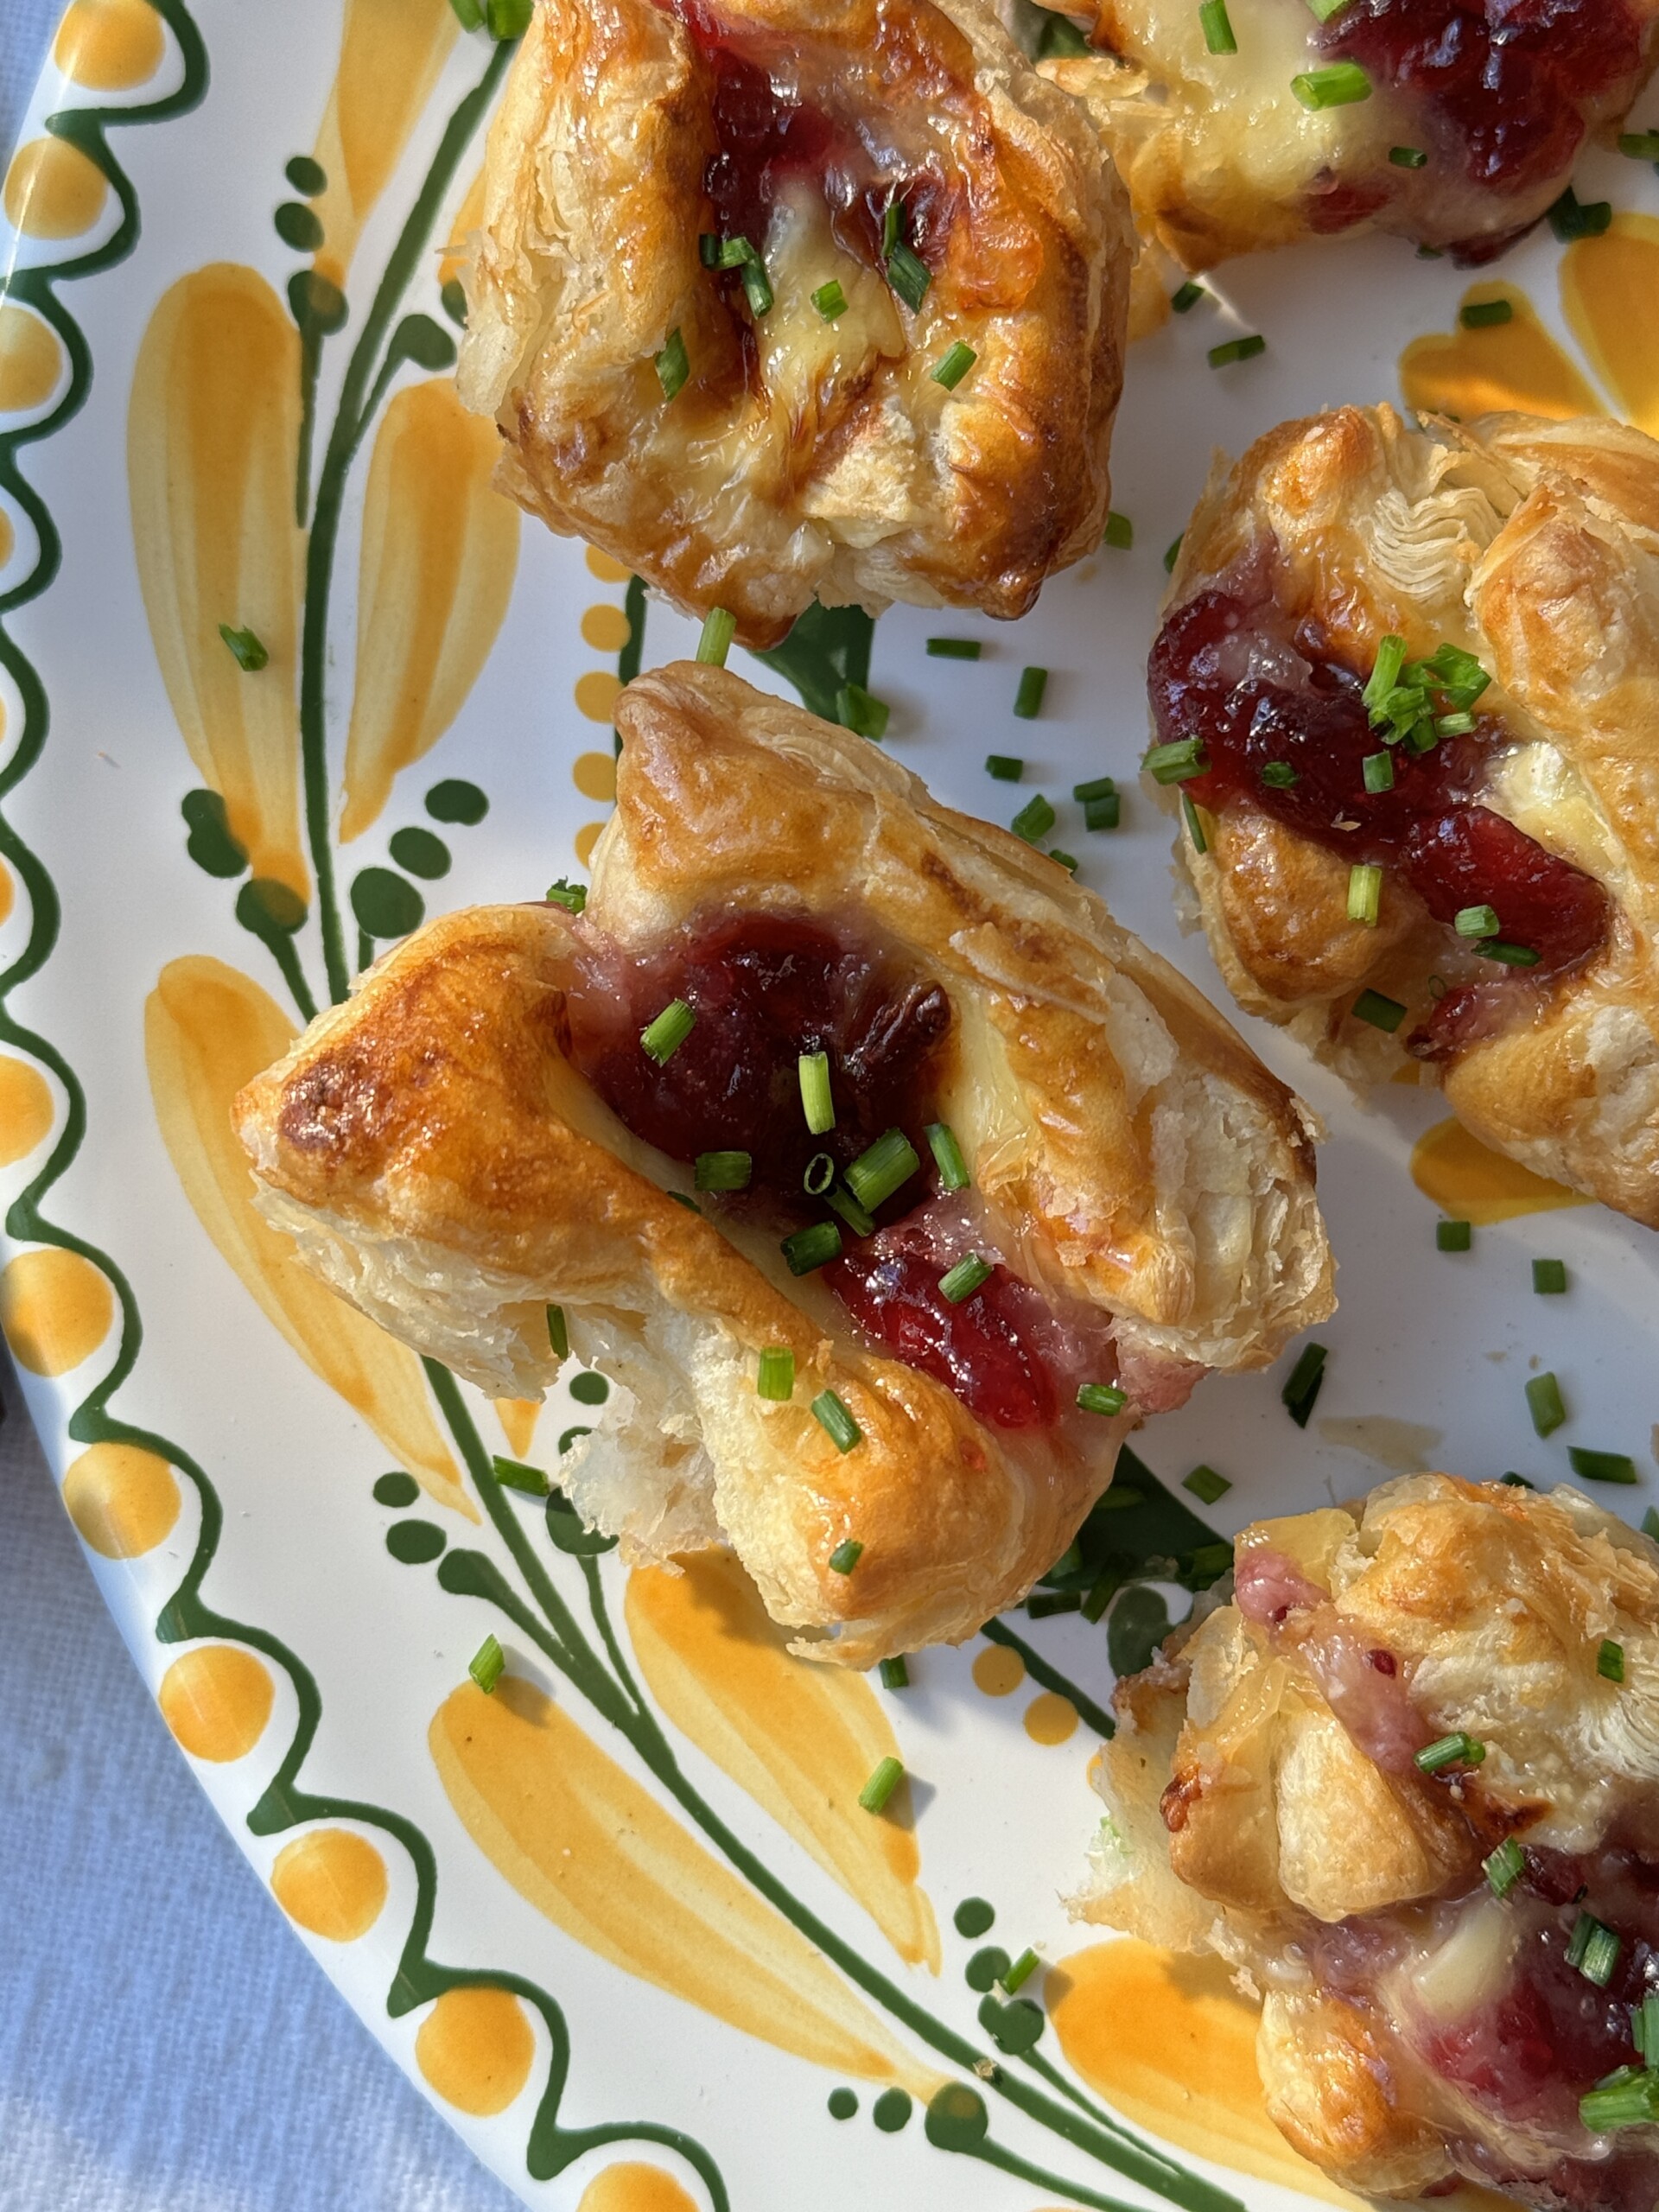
pixel 1052 1679
pixel 1009 2162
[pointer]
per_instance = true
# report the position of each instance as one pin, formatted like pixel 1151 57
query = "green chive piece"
pixel 895 1675
pixel 1338 85
pixel 757 286
pixel 1007 767
pixel 1453 1236
pixel 1020 1972
pixel 882 1784
pixel 246 651
pixel 1172 554
pixel 847 1553
pixel 1102 1398
pixel 1453 725
pixel 861 712
pixel 1028 699
pixel 1651 1522
pixel 830 300
pixel 1043 1604
pixel 1475 921
pixel 1645 2025
pixel 1486 315
pixel 1176 762
pixel 1505 1866
pixel 1450 1751
pixel 663 1038
pixel 1571 218
pixel 1067 860
pixel 893 224
pixel 513 1474
pixel 909 275
pixel 1639 145
pixel 1218 29
pixel 954 366
pixel 486 1663
pixel 557 1335
pixel 1377 769
pixel 817 1102
pixel 955 648
pixel 573 897
pixel 722 1171
pixel 1385 674
pixel 506 19
pixel 835 1420
pixel 1325 8
pixel 1364 893
pixel 1034 820
pixel 774 1378
pixel 1602 1467
pixel 1194 825
pixel 1237 349
pixel 1186 298
pixel 1511 955
pixel 947 1156
pixel 819 1175
pixel 1593 1950
pixel 960 1282
pixel 1381 1013
pixel 1120 532
pixel 1096 787
pixel 1627 2100
pixel 1105 813
pixel 719 628
pixel 1609 1663
pixel 1280 776
pixel 1544 1403
pixel 813 1247
pixel 1305 1381
pixel 1549 1277
pixel 1408 157
pixel 1206 1485
pixel 672 365
pixel 843 1203
pixel 881 1168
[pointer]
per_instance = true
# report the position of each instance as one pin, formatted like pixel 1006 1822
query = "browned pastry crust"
pixel 1534 546
pixel 441 1162
pixel 802 456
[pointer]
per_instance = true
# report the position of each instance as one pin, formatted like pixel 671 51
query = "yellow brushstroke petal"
pixel 469 217
pixel 518 1417
pixel 1508 365
pixel 390 52
pixel 1609 295
pixel 211 432
pixel 439 550
pixel 588 1846
pixel 1469 1181
pixel 802 1740
pixel 207 1031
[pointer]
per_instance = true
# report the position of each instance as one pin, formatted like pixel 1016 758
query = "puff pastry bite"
pixel 897 379
pixel 517 1106
pixel 1455 859
pixel 1455 123
pixel 1406 1783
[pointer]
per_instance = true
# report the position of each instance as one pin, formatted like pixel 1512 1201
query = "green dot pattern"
pixel 421 853
pixel 456 800
pixel 974 1916
pixel 386 905
pixel 414 1542
pixel 986 1966
pixel 589 1389
pixel 397 1489
pixel 843 2103
pixel 892 2110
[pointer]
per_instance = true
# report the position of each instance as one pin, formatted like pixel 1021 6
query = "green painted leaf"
pixel 427 344
pixel 297 226
pixel 1014 2027
pixel 397 1489
pixel 567 1534
pixel 453 299
pixel 307 175
pixel 386 905
pixel 421 853
pixel 956 2117
pixel 456 800
pixel 986 1966
pixel 1138 1624
pixel 264 904
pixel 414 1542
pixel 827 650
pixel 316 305
pixel 210 844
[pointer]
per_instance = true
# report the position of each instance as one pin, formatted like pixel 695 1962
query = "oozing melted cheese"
pixel 808 365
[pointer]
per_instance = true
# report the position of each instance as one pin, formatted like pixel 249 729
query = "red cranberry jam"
pixel 1270 705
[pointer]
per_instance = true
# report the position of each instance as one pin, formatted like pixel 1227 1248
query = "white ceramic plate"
pixel 624 1922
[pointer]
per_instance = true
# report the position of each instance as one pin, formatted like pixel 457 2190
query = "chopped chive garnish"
pixel 1206 1485
pixel 849 1552
pixel 1381 1013
pixel 709 249
pixel 1067 860
pixel 1629 2098
pixel 1119 533
pixel 1650 1521
pixel 1280 776
pixel 1364 893
pixel 663 1038
pixel 1571 218
pixel 1034 820
pixel 757 286
pixel 1194 825
pixel 722 1171
pixel 881 1168
pixel 1639 145
pixel 961 1282
pixel 882 1784
pixel 1377 769
pixel 1450 1751
pixel 1609 1665
pixel 1385 674
pixel 681 1199
pixel 246 651
pixel 1020 1972
pixel 817 1102
pixel 1475 921
pixel 1007 767
pixel 1486 315
pixel 893 220
pixel 672 365
pixel 557 1335
pixel 1218 29
pixel 1338 85
pixel 1453 725
pixel 1325 8
pixel 1096 787
pixel 955 648
pixel 1517 1482
pixel 954 364
pixel 774 1378
pixel 1188 297
pixel 1102 1398
pixel 1176 762
pixel 1505 1866
pixel 1544 1404
pixel 820 1174
pixel 1644 2028
pixel 1305 1381
pixel 1103 813
pixel 1043 1604
pixel 861 712
pixel 513 1474
pixel 1452 1236
pixel 895 1675
pixel 1602 1467
pixel 1593 1949
pixel 1549 1277
pixel 1172 554
pixel 1237 349
pixel 947 1156
pixel 1511 955
pixel 1408 157
pixel 812 1246
pixel 843 1202
pixel 1028 699
pixel 573 897
pixel 836 1421
pixel 909 275
pixel 486 1663
pixel 830 300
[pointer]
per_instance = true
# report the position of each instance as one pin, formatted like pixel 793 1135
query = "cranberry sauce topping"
pixel 1228 669
pixel 1505 77
pixel 1364 1685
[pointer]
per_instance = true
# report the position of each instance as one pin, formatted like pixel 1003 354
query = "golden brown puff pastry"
pixel 811 450
pixel 1221 156
pixel 480 1132
pixel 1400 1782
pixel 1512 952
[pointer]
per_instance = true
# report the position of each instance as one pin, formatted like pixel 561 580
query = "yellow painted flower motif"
pixel 207 1031
pixel 391 54
pixel 213 429
pixel 439 551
